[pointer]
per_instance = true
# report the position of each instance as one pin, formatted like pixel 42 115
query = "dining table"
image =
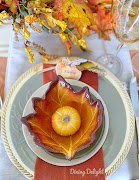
pixel 17 64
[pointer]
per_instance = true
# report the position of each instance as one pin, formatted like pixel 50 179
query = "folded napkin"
pixel 90 169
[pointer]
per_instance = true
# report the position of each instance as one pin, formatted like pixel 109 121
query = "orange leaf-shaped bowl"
pixel 61 94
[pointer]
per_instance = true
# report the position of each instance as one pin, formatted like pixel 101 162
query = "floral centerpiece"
pixel 72 20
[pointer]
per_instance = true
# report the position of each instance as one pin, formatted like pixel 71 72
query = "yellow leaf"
pixel 49 19
pixel 45 58
pixel 85 49
pixel 85 66
pixel 74 39
pixel 76 11
pixel 64 37
pixel 82 42
pixel 1 22
pixel 61 24
pixel 77 14
pixel 3 15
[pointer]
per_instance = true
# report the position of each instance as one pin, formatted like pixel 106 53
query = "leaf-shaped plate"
pixel 47 156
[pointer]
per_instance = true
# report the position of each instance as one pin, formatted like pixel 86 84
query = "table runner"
pixel 18 58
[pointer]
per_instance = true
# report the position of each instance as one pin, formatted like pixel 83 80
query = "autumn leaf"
pixel 74 39
pixel 61 94
pixel 85 66
pixel 48 18
pixel 76 11
pixel 2 7
pixel 68 45
pixel 13 5
pixel 96 2
pixel 102 23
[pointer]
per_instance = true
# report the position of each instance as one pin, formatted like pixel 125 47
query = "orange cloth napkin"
pixel 90 169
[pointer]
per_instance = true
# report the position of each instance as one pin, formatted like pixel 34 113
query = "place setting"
pixel 70 116
pixel 114 134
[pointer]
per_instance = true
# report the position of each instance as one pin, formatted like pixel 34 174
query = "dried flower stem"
pixel 35 28
pixel 16 35
pixel 22 22
pixel 38 46
pixel 49 57
pixel 39 49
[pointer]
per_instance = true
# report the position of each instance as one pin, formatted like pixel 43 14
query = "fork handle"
pixel 137 126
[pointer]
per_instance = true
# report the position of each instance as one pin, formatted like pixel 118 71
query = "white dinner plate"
pixel 83 155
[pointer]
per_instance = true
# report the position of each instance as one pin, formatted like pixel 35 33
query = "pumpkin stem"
pixel 66 118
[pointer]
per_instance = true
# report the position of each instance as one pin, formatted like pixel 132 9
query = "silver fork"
pixel 126 86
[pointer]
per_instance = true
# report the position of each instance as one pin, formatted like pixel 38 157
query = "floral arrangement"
pixel 72 20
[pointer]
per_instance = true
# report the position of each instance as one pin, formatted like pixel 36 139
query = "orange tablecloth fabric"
pixel 44 170
pixel 3 63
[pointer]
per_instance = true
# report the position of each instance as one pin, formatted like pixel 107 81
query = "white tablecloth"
pixel 18 64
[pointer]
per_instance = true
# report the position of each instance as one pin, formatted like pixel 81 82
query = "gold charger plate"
pixel 124 129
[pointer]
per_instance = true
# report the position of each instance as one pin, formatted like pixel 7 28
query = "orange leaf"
pixel 61 94
pixel 2 7
pixel 68 45
pixel 96 2
pixel 102 25
pixel 13 5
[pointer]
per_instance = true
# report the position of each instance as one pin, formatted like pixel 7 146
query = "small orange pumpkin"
pixel 66 121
